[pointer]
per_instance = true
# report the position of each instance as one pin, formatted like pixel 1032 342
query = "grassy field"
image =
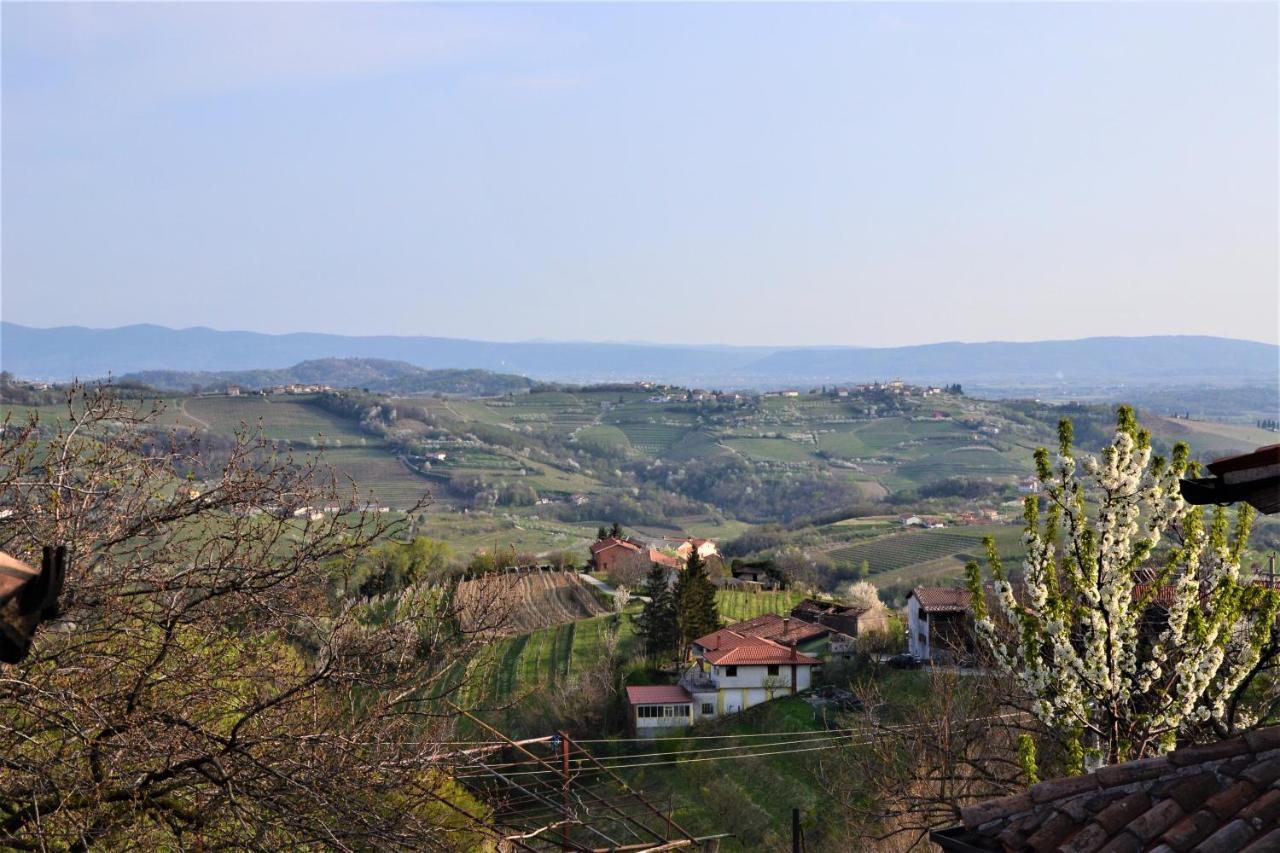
pixel 773 449
pixel 605 436
pixel 888 554
pixel 473 531
pixel 1227 438
pixel 949 568
pixel 972 461
pixel 282 418
pixel 709 527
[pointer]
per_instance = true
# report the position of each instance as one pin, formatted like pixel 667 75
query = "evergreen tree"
pixel 616 530
pixel 656 624
pixel 602 533
pixel 695 595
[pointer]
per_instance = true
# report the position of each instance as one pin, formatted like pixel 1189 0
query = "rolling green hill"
pixel 394 377
pixel 539 471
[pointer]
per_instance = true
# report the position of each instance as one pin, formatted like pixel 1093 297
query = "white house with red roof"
pixel 686 545
pixel 733 671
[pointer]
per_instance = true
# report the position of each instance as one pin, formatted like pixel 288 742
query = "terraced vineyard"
pixel 374 470
pixel 516 665
pixel 652 438
pixel 535 599
pixel 282 418
pixel 736 605
pixel 906 549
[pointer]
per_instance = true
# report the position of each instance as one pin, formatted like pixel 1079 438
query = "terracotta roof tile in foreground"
pixel 1216 798
pixel 658 694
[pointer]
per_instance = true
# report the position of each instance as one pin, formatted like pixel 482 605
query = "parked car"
pixel 905 661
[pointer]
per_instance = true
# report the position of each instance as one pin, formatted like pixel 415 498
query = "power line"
pixel 625 760
pixel 805 737
pixel 677 761
pixel 647 829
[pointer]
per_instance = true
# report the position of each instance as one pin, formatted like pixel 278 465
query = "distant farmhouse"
pixel 671 554
pixel 605 553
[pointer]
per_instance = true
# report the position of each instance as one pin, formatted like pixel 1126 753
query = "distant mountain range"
pixel 375 374
pixel 1090 363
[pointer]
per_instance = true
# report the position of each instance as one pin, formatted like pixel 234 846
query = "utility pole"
pixel 797 844
pixel 564 788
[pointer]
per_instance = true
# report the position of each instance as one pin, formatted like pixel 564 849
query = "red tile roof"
pixel 787 630
pixel 723 638
pixel 1217 798
pixel 748 651
pixel 605 544
pixel 656 556
pixel 937 599
pixel 658 694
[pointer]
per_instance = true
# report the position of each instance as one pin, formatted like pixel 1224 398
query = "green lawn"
pixel 773 449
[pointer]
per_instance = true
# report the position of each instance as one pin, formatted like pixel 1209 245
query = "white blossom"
pixel 1080 643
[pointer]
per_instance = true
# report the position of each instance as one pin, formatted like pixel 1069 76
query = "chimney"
pixel 793 651
pixel 786 625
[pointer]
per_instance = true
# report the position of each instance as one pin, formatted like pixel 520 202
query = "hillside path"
pixel 606 588
pixel 182 407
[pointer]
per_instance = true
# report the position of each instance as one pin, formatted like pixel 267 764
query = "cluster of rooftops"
pixel 746 659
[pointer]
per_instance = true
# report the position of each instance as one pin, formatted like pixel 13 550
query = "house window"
pixel 707 709
pixel 773 669
pixel 682 711
pixel 730 671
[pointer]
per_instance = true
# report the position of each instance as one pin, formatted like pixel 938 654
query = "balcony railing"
pixel 693 679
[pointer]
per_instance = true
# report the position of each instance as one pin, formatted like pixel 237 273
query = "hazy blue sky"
pixel 837 174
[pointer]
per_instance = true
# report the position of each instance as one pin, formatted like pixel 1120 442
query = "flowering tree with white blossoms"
pixel 1120 644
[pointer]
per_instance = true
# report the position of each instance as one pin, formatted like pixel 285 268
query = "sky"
pixel 859 174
